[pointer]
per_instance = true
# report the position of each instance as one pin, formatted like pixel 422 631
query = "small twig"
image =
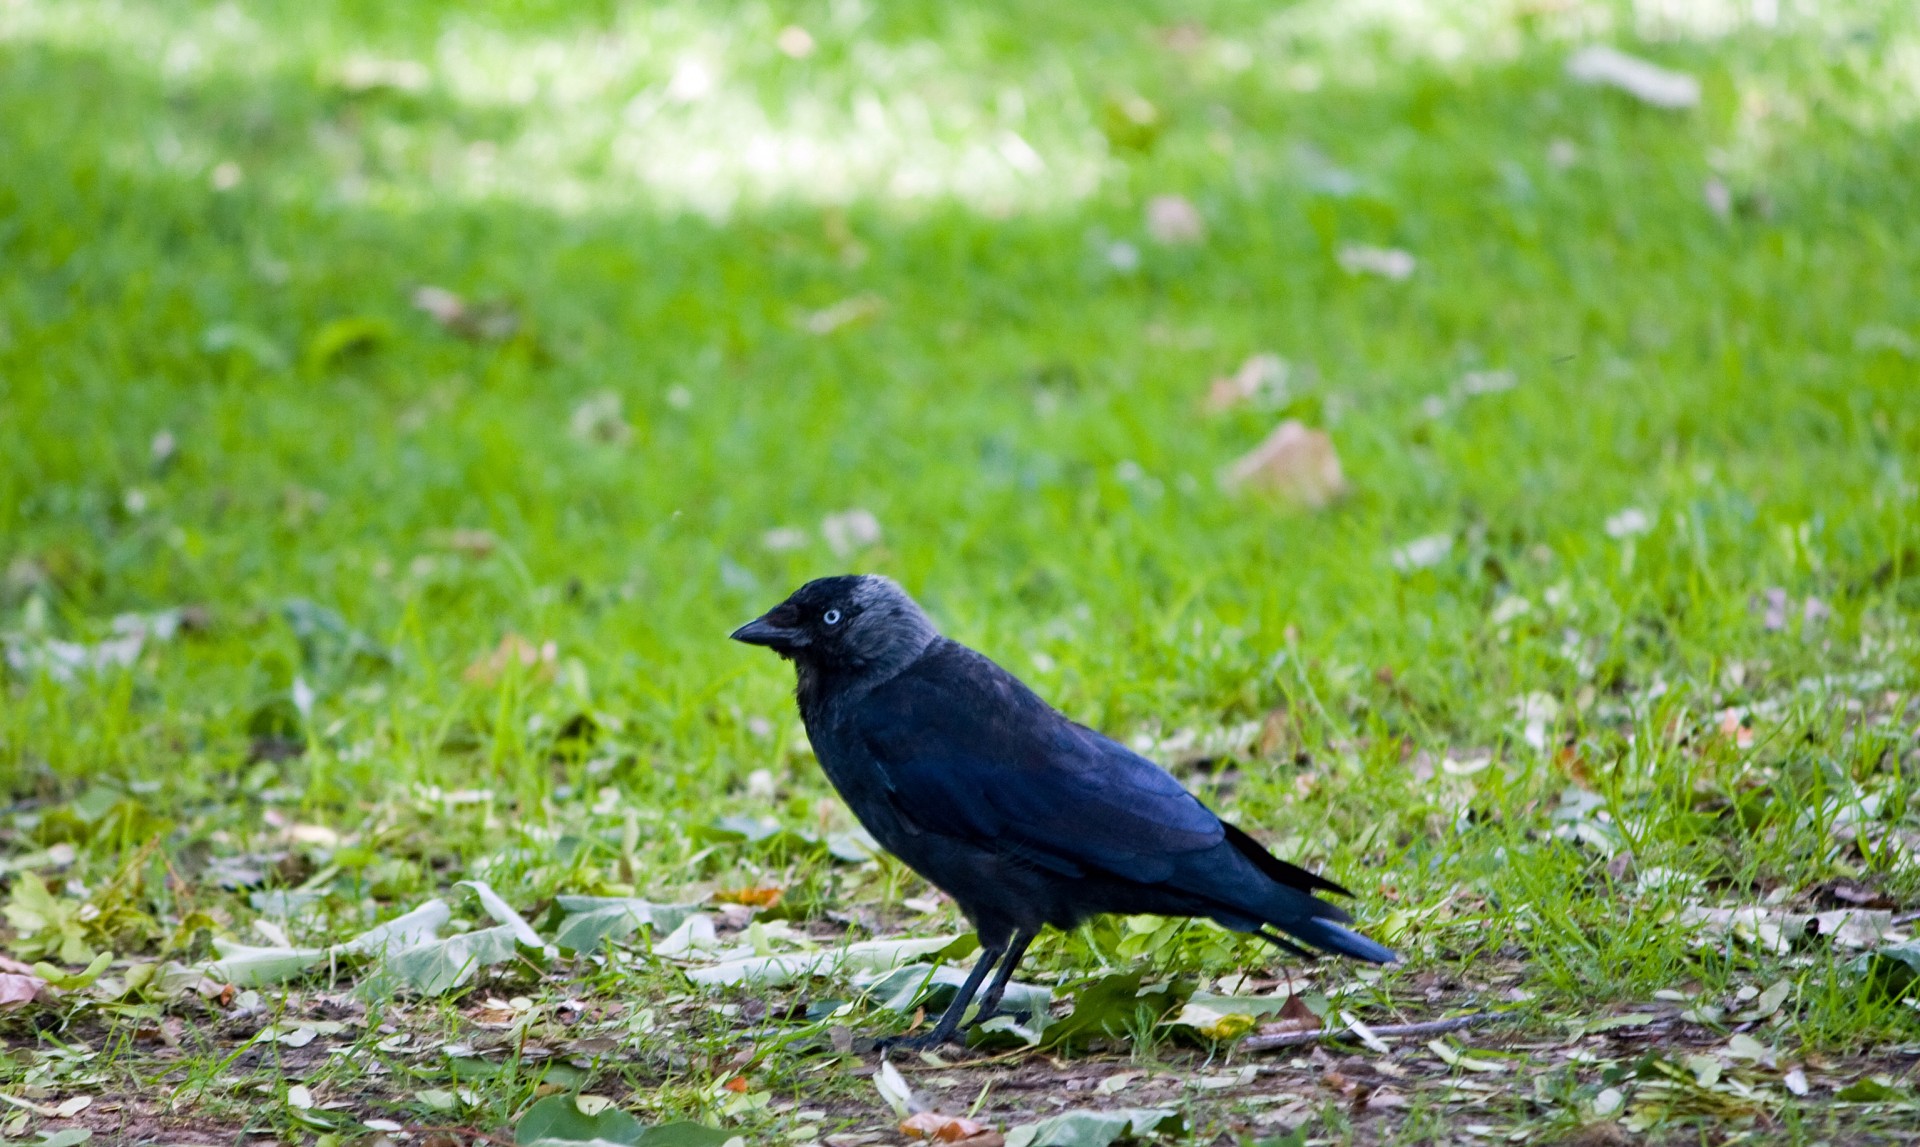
pixel 1430 1027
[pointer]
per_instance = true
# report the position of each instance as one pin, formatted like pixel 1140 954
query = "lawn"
pixel 400 404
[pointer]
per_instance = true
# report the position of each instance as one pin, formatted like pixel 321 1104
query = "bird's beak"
pixel 761 631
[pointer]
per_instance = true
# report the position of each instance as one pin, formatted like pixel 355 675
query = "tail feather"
pixel 1276 869
pixel 1291 908
pixel 1341 941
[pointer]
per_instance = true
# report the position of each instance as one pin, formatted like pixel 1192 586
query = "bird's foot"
pixel 925 1041
pixel 1023 1018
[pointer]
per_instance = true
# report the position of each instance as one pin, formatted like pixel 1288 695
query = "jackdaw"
pixel 1023 817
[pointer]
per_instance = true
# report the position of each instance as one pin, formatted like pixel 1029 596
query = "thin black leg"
pixel 950 1019
pixel 1015 950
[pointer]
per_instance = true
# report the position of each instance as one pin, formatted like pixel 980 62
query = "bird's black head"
pixel 854 623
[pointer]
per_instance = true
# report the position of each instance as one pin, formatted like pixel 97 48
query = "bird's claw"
pixel 926 1041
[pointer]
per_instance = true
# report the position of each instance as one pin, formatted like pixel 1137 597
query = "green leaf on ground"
pixel 865 956
pixel 1095 1128
pixel 1112 1005
pixel 560 1119
pixel 1893 971
pixel 586 921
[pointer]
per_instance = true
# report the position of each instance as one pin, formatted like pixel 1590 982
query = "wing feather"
pixel 971 753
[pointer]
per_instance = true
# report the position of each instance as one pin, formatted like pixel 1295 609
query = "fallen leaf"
pixel 1294 1016
pixel 864 956
pixel 467 542
pixel 945 1128
pixel 502 912
pixel 752 897
pixel 1174 220
pixel 565 1118
pixel 1733 726
pixel 1386 262
pixel 850 530
pixel 844 313
pixel 1093 1128
pixel 784 539
pixel 1117 1082
pixel 1856 927
pixel 1293 461
pixel 488 322
pixel 1644 80
pixel 600 419
pixel 1767 1002
pixel 1374 1043
pixel 363 73
pixel 1262 378
pixel 299 1096
pixel 893 1089
pixel 1454 1057
pixel 794 41
pixel 513 649
pixel 587 921
pixel 17 991
pixel 1870 1089
pixel 1422 553
pixel 68 1108
pixel 1628 523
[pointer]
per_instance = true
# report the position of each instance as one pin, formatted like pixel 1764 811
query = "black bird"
pixel 1022 816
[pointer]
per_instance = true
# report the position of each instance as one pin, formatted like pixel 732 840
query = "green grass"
pixel 357 505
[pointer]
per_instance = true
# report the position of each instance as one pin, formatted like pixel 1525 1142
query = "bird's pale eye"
pixel 831 617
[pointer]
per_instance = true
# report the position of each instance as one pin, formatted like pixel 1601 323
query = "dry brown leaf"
pixel 513 649
pixel 1294 462
pixel 17 991
pixel 949 1129
pixel 1279 734
pixel 752 897
pixel 1293 1016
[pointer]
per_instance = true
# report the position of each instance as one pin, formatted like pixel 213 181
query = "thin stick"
pixel 1430 1027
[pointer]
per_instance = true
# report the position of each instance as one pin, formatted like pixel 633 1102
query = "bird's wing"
pixel 972 754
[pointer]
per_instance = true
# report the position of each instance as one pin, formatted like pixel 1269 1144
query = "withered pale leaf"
pixel 1295 462
pixel 513 649
pixel 1263 377
pixel 1174 221
pixel 1644 80
pixel 17 991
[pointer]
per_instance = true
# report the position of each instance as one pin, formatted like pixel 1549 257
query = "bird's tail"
pixel 1289 905
pixel 1331 937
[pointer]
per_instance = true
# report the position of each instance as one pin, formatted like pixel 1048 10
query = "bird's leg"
pixel 950 1019
pixel 1017 948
